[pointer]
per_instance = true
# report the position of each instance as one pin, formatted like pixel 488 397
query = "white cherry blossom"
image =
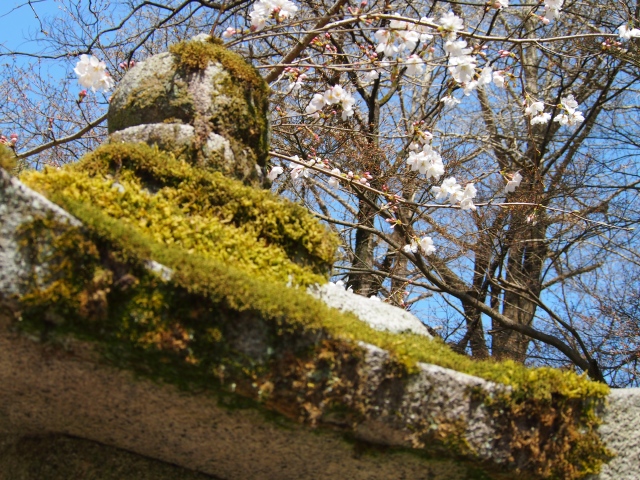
pixel 347 102
pixel 372 75
pixel 92 73
pixel 449 188
pixel 470 87
pixel 265 9
pixel 450 101
pixel 333 95
pixel 462 68
pixel 498 78
pixel 541 119
pixel 427 246
pixel 451 23
pixel 573 115
pixel 229 32
pixel 486 76
pixel 414 65
pixel 333 181
pixel 457 48
pixel 424 245
pixel 317 104
pixel 466 202
pixel 386 44
pixel 627 34
pixel 424 31
pixel 514 183
pixel 427 162
pixel 297 169
pixel 275 171
pixel 552 9
pixel 534 109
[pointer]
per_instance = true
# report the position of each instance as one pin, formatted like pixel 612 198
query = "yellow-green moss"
pixel 7 159
pixel 197 210
pixel 196 55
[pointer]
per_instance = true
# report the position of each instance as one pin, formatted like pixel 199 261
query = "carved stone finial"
pixel 200 101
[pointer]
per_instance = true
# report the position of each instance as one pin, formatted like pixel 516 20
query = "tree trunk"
pixel 524 267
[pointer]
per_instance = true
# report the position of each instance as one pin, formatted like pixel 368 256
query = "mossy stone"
pixel 205 86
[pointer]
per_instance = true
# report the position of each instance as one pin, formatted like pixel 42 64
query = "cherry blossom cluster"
pixel 537 114
pixel 513 183
pixel 296 78
pixel 572 116
pixel 300 169
pixel 569 105
pixel 92 73
pixel 263 10
pixel 402 36
pixel 423 245
pixel 423 158
pixel 462 63
pixel 332 96
pixel 450 188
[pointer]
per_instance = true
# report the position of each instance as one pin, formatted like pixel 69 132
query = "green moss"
pixel 7 159
pixel 225 319
pixel 190 331
pixel 199 211
pixel 196 55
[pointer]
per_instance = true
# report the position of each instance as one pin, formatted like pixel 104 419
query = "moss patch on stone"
pixel 196 55
pixel 7 159
pixel 223 318
pixel 199 211
pixel 163 92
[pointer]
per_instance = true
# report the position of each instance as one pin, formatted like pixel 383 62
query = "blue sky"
pixel 19 22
